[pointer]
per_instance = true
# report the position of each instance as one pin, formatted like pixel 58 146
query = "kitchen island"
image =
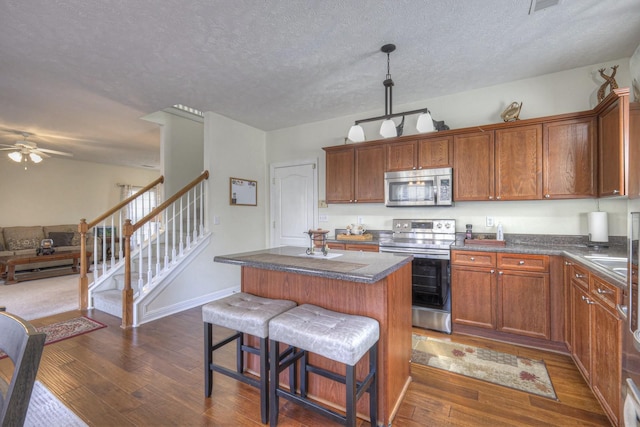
pixel 369 284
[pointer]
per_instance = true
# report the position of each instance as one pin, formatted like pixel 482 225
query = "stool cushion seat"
pixel 341 337
pixel 245 312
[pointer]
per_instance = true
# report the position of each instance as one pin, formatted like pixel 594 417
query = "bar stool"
pixel 246 314
pixel 336 336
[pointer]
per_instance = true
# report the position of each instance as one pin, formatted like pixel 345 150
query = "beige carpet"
pixel 34 299
pixel 504 369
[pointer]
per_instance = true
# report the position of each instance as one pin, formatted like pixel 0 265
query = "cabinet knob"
pixel 546 196
pixel 603 291
pixel 568 263
pixel 616 191
pixel 521 262
pixel 472 259
pixel 500 273
pixel 490 197
pixel 355 201
pixel 492 271
pixel 498 197
pixel 580 276
pixel 587 300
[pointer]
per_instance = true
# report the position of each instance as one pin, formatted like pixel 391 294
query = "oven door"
pixel 410 191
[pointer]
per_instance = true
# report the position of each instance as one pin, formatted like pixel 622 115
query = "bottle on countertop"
pixel 500 233
pixel 469 233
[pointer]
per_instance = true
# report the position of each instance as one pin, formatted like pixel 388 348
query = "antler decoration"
pixel 609 81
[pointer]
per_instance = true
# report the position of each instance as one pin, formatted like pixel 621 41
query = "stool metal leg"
pixel 264 380
pixel 373 387
pixel 273 385
pixel 350 383
pixel 304 373
pixel 208 356
pixel 239 355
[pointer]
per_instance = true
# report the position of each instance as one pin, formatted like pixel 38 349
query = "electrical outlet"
pixel 216 220
pixel 490 221
pixel 323 218
pixel 360 220
pixel 323 204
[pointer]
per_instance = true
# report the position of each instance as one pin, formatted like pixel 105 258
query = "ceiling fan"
pixel 27 150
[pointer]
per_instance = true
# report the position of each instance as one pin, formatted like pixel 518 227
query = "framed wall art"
pixel 243 192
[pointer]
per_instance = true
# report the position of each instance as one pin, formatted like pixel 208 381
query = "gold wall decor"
pixel 512 112
pixel 609 81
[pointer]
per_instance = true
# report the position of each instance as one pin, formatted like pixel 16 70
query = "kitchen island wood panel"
pixel 382 292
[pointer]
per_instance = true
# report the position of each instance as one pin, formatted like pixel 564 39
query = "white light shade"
pixel 425 123
pixel 16 156
pixel 35 158
pixel 356 134
pixel 388 129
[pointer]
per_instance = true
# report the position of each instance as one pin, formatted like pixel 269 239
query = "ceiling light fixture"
pixel 16 156
pixel 388 129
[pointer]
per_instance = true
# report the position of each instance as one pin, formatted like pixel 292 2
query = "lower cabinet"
pixel 596 337
pixel 501 291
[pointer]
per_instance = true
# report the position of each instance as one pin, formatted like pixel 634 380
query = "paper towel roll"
pixel 598 227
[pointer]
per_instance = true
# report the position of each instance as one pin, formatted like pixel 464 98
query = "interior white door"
pixel 294 192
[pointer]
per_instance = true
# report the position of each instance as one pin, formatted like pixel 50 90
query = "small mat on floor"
pixel 46 410
pixel 67 329
pixel 504 369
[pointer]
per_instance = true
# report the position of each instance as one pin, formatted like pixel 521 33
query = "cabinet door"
pixel 523 303
pixel 340 175
pixel 473 166
pixel 569 159
pixel 518 163
pixel 369 174
pixel 612 138
pixel 402 156
pixel 581 330
pixel 606 359
pixel 435 153
pixel 473 296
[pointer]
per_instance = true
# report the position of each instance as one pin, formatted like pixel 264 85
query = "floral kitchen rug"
pixel 67 329
pixel 495 367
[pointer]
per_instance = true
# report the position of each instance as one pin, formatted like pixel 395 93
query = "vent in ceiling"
pixel 538 5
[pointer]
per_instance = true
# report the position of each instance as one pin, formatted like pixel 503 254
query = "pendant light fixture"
pixel 388 129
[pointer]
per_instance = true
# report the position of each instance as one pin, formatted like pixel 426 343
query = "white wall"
pixel 232 149
pixel 62 191
pixel 564 92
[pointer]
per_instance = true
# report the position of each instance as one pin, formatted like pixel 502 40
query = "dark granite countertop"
pixel 575 250
pixel 354 266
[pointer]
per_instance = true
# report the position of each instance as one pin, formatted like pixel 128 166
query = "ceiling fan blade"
pixel 59 153
pixel 7 145
pixel 39 153
pixel 10 148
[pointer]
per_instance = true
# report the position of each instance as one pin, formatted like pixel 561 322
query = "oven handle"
pixel 417 253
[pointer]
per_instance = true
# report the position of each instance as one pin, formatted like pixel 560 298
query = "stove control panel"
pixel 446 226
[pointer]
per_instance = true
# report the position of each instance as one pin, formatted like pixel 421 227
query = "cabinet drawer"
pixel 364 248
pixel 480 259
pixel 605 292
pixel 523 262
pixel 580 276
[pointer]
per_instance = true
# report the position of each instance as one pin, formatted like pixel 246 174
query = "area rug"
pixel 67 329
pixel 46 410
pixel 504 369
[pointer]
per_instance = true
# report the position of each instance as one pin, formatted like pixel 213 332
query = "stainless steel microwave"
pixel 421 187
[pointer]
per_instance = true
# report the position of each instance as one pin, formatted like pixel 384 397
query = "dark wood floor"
pixel 153 376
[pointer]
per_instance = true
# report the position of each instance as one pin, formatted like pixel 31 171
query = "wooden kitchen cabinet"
pixel 569 158
pixel 634 150
pixel 473 294
pixel 613 143
pixel 353 247
pixel 596 336
pixel 473 166
pixel 523 298
pixel 422 154
pixel 505 164
pixel 355 174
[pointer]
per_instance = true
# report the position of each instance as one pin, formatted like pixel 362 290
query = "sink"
pixel 616 264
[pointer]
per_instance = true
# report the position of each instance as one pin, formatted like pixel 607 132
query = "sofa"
pixel 25 240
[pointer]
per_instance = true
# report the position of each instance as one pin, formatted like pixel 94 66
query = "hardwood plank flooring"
pixel 153 376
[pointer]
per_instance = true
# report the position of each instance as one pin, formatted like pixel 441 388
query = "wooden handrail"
pixel 125 202
pixel 204 175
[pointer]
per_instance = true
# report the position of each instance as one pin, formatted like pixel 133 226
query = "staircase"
pixel 130 270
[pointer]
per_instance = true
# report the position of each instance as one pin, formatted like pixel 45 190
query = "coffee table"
pixel 8 266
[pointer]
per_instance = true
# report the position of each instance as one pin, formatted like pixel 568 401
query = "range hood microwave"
pixel 420 187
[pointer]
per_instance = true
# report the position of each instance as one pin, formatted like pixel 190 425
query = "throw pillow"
pixel 61 239
pixel 75 241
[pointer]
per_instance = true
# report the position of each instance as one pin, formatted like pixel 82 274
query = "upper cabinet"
pixel 505 164
pixel 613 143
pixel 355 174
pixel 569 159
pixel 422 154
pixel 634 150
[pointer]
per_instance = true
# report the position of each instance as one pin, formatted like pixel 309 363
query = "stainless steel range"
pixel 429 241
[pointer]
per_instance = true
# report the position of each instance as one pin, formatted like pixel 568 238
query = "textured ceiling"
pixel 81 73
